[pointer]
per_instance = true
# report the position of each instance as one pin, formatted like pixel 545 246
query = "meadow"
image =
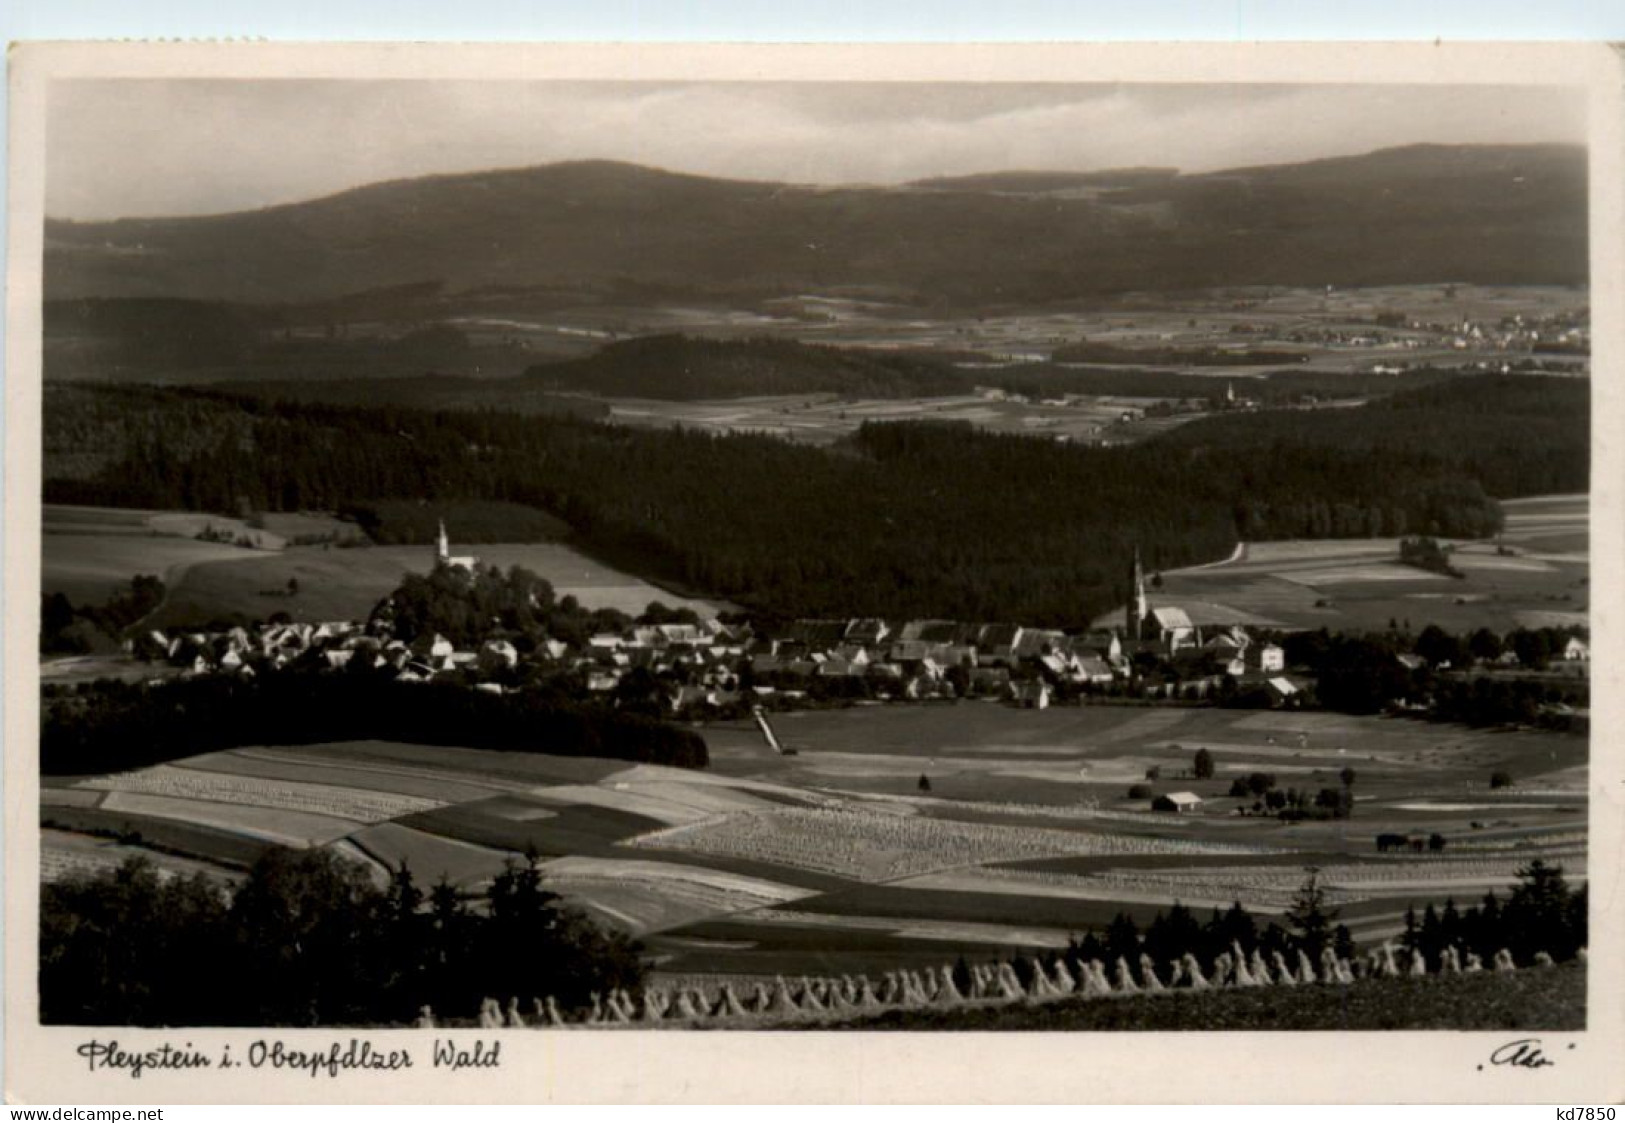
pixel 91 553
pixel 1535 574
pixel 834 860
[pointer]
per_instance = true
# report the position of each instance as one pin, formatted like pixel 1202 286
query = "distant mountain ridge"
pixel 600 229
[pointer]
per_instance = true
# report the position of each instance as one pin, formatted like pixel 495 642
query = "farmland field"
pixel 822 419
pixel 1528 1000
pixel 820 861
pixel 346 584
pixel 1535 574
pixel 90 553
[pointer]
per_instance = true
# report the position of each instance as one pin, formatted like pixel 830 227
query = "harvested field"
pixel 1260 888
pixel 288 828
pixel 742 948
pixel 903 905
pixel 66 854
pixel 959 931
pixel 158 835
pixel 670 804
pixel 273 764
pixel 868 845
pixel 483 767
pixel 429 856
pixel 325 800
pixel 1551 1001
pixel 641 897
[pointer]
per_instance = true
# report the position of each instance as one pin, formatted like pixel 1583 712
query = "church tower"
pixel 442 547
pixel 1138 607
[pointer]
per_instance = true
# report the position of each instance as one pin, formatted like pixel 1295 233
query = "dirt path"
pixel 1239 554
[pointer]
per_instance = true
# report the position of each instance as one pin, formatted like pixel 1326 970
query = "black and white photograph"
pixel 553 553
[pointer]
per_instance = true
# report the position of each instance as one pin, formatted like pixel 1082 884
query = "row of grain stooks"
pixel 851 999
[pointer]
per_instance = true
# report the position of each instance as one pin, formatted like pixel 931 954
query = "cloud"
pixel 161 147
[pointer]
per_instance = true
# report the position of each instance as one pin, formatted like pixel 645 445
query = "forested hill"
pixel 680 367
pixel 1514 434
pixel 1428 213
pixel 913 519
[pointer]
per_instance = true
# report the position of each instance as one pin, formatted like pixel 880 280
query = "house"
pixel 1282 691
pixel 1059 666
pixel 997 642
pixel 1576 651
pixel 1034 642
pixel 1172 628
pixel 1180 803
pixel 818 635
pixel 855 653
pixel 910 652
pixel 1030 695
pixel 885 672
pixel 1233 640
pixel 1267 659
pixel 152 645
pixel 867 632
pixel 1105 643
pixel 439 647
pixel 647 636
pixel 1411 662
pixel 929 631
pixel 687 635
pixel 1092 669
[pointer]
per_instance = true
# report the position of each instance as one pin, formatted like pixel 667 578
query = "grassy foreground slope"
pixel 1553 999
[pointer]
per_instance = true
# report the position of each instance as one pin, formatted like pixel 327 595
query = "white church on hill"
pixel 442 554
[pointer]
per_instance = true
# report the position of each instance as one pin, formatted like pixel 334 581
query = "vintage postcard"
pixel 931 573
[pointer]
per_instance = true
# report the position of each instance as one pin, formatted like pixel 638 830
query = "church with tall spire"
pixel 1168 629
pixel 1138 607
pixel 442 553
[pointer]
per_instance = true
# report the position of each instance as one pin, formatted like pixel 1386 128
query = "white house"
pixel 1268 658
pixel 1181 803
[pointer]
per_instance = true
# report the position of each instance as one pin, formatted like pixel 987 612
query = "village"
pixel 701 668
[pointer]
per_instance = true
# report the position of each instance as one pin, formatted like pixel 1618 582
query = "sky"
pixel 158 147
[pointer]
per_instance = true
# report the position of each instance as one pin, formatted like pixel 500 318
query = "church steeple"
pixel 442 546
pixel 1137 606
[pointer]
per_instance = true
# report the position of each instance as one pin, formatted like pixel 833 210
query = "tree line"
pixel 58 615
pixel 905 520
pixel 108 725
pixel 309 940
pixel 1541 913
